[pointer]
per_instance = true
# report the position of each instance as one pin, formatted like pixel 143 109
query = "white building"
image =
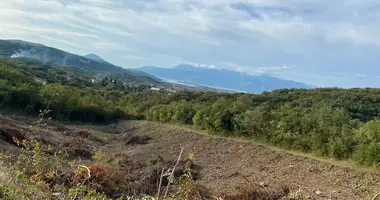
pixel 155 89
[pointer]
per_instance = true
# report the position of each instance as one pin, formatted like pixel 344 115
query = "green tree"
pixel 368 143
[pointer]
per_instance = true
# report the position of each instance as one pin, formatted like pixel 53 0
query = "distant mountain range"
pixel 91 64
pixel 222 78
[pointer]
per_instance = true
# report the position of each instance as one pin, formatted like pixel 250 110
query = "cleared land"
pixel 221 164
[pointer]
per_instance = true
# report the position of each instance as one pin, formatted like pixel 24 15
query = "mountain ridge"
pixel 95 57
pixel 222 78
pixel 58 57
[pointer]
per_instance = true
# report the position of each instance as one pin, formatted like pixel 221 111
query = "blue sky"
pixel 320 42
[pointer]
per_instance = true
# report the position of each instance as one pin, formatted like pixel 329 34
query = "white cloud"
pixel 212 66
pixel 109 46
pixel 361 75
pixel 134 57
pixel 269 69
pixel 239 35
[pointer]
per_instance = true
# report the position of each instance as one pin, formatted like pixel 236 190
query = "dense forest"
pixel 332 122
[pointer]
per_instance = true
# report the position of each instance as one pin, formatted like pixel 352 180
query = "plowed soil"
pixel 225 164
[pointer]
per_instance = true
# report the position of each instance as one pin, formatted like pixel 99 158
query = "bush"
pixel 367 150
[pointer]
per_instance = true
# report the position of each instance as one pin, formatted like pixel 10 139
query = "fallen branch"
pixel 159 185
pixel 88 177
pixel 246 179
pixel 375 197
pixel 171 177
pixel 88 171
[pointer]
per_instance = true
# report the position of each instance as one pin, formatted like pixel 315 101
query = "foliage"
pixel 339 123
pixel 368 137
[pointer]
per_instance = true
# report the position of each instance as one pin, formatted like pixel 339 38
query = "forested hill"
pixel 338 123
pixel 54 57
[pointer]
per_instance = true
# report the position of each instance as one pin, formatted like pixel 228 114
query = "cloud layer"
pixel 325 43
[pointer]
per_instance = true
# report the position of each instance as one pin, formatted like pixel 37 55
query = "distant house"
pixel 95 80
pixel 155 89
pixel 39 80
pixel 171 90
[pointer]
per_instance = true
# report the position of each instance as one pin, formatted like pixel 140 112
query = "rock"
pixel 57 194
pixel 318 192
pixel 263 184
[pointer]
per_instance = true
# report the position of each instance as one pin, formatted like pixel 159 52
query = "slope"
pixel 95 57
pixel 222 164
pixel 53 56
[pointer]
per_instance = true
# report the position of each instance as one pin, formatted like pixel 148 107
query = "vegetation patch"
pixel 137 139
pixel 343 124
pixel 12 136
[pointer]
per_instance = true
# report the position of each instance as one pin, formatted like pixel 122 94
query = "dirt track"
pixel 225 163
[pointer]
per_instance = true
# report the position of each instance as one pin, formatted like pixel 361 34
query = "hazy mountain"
pixel 222 78
pixel 48 55
pixel 95 57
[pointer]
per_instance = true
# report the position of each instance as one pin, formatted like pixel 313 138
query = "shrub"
pixel 368 143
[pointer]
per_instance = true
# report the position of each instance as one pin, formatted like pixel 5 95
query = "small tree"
pixel 368 143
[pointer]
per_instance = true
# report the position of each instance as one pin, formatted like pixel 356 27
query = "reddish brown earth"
pixel 223 164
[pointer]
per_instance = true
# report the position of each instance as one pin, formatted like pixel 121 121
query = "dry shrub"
pixel 61 128
pixel 76 148
pixel 144 177
pixel 129 163
pixel 198 192
pixel 102 177
pixel 152 174
pixel 12 136
pixel 141 177
pixel 77 134
pixel 258 192
pixel 97 139
pixel 81 153
pixel 138 140
pixel 179 171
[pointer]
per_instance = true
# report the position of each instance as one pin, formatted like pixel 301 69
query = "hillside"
pixel 338 124
pixel 131 154
pixel 54 57
pixel 224 79
pixel 95 57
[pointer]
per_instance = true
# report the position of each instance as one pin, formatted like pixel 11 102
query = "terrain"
pixel 90 65
pixel 86 142
pixel 95 58
pixel 222 78
pixel 84 69
pixel 222 165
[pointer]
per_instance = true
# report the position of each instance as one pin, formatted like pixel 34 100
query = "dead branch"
pixel 171 177
pixel 375 197
pixel 159 185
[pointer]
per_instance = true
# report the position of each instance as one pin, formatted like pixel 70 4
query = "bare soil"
pixel 223 165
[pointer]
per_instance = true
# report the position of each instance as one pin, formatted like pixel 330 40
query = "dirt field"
pixel 223 165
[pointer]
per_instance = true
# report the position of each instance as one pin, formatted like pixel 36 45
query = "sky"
pixel 320 42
